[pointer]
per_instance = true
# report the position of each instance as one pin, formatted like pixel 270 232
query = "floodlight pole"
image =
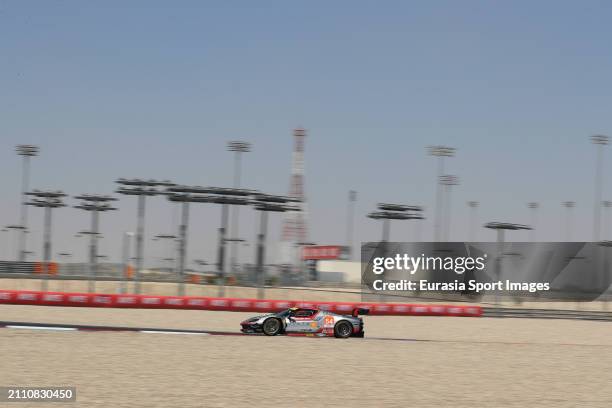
pixel 569 219
pixel 265 203
pixel 139 241
pixel 447 181
pixel 93 251
pixel 183 246
pixel 17 230
pixel 352 197
pixel 181 196
pixel 221 249
pixel 473 205
pixel 533 206
pixel 125 258
pixel 606 219
pixel 600 141
pixel 8 235
pixel 606 269
pixel 501 227
pixel 25 151
pixel 238 147
pixel 386 230
pixel 94 204
pixel 47 200
pixel 261 248
pixel 24 211
pixel 47 246
pixel 440 152
pixel 388 212
pixel 173 263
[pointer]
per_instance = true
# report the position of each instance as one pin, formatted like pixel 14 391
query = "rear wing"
pixel 359 311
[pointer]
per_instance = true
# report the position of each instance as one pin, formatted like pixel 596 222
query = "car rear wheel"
pixel 343 329
pixel 272 326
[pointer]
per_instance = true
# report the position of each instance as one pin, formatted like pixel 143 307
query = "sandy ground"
pixel 459 362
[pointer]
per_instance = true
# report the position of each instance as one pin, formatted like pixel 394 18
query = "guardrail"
pixel 17 267
pixel 17 297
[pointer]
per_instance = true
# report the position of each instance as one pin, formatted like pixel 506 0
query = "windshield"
pixel 284 313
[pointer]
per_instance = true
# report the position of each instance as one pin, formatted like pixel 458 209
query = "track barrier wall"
pixel 36 298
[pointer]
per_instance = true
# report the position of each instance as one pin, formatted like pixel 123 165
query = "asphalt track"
pixel 157 330
pixel 151 330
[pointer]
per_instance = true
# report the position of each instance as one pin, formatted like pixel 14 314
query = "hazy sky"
pixel 155 89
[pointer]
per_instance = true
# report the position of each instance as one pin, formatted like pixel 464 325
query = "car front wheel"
pixel 272 326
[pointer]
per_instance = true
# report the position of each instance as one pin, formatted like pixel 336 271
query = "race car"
pixel 308 322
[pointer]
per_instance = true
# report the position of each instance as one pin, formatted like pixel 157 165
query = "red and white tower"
pixel 294 222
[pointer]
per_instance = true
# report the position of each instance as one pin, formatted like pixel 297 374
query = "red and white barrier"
pixel 19 297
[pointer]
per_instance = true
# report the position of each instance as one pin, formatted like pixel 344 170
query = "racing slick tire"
pixel 272 326
pixel 343 329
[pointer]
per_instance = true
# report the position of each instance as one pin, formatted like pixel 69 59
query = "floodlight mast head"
pixel 27 150
pixel 191 198
pixel 274 203
pixel 271 198
pixel 533 205
pixel 449 180
pixel 49 203
pixel 165 236
pixel 210 190
pixel 142 183
pixel 95 202
pixel 388 215
pixel 15 227
pixel 95 198
pixel 47 193
pixel 506 226
pixel 141 187
pixel 49 199
pixel 441 151
pixel 394 212
pixel 238 146
pixel 95 207
pixel 399 207
pixel 473 204
pixel 97 234
pixel 600 139
pixel 569 204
